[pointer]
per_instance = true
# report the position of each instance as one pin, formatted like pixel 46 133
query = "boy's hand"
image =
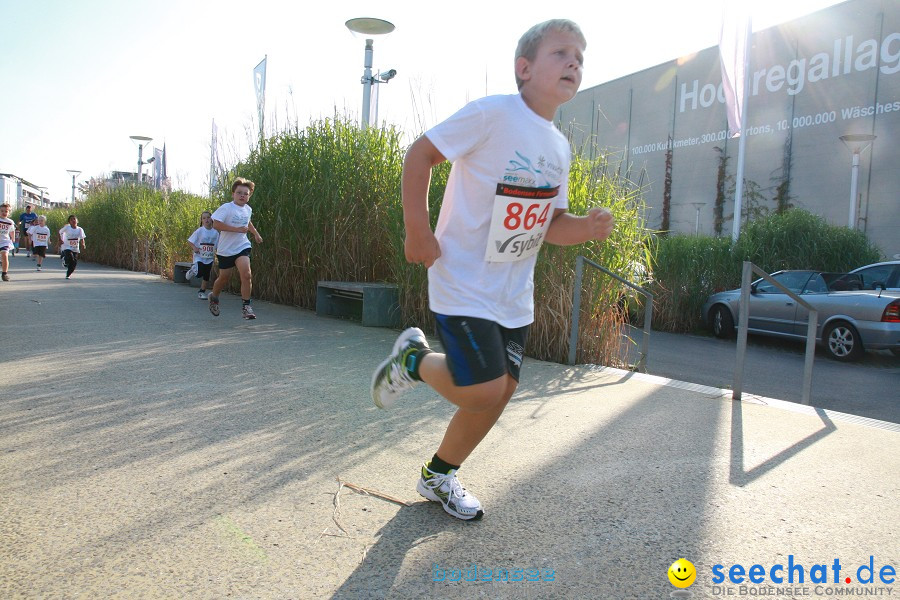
pixel 422 248
pixel 600 222
pixel 258 238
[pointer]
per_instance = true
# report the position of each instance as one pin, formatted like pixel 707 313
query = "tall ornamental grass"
pixel 327 204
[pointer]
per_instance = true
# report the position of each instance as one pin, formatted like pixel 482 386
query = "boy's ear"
pixel 523 68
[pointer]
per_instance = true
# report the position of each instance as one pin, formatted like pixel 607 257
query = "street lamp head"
pixel 369 26
pixel 73 172
pixel 140 139
pixel 857 142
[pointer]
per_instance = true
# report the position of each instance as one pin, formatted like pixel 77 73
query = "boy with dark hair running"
pixel 232 221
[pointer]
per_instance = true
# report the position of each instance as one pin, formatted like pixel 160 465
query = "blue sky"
pixel 79 77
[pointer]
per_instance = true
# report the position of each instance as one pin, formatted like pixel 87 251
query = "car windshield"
pixel 792 280
pixel 884 274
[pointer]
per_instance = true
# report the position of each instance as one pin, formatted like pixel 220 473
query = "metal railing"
pixel 576 310
pixel 744 317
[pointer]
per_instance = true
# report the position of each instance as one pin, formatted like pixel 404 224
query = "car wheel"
pixel 842 342
pixel 721 322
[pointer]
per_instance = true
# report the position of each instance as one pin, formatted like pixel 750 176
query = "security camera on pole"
pixel 370 26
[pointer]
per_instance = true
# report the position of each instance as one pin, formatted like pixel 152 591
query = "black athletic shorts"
pixel 479 350
pixel 228 262
pixel 203 270
pixel 39 250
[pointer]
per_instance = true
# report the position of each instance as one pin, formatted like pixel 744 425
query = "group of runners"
pixel 33 236
pixel 507 193
pixel 223 235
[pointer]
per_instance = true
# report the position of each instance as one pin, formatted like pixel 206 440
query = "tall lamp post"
pixel 141 140
pixel 856 143
pixel 74 174
pixel 370 26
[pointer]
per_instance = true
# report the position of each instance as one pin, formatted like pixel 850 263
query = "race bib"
pixel 519 222
pixel 42 237
pixel 73 243
pixel 206 250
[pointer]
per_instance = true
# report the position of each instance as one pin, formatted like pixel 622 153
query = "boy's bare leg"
pixel 479 405
pixel 243 266
pixel 221 281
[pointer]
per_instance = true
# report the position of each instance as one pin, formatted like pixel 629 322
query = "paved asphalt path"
pixel 774 369
pixel 150 450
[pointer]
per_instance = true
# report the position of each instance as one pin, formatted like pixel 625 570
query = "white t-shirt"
pixel 40 236
pixel 206 239
pixel 7 227
pixel 232 242
pixel 72 238
pixel 510 172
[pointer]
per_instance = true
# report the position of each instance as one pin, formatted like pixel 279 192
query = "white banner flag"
pixel 158 166
pixel 734 48
pixel 259 83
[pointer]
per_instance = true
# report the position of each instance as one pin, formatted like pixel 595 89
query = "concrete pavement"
pixel 148 449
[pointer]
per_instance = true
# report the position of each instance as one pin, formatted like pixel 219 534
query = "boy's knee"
pixel 491 394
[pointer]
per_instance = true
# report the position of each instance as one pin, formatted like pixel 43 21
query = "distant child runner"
pixel 40 239
pixel 232 221
pixel 72 242
pixel 203 241
pixel 26 220
pixel 506 194
pixel 7 235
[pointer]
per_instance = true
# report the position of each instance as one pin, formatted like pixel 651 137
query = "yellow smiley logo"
pixel 682 573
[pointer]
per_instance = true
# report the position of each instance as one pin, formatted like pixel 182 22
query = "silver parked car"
pixel 850 319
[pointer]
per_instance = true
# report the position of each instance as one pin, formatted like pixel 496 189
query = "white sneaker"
pixel 202 295
pixel 391 378
pixel 447 490
pixel 191 273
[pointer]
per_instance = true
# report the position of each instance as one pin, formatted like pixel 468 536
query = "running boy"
pixel 506 195
pixel 203 241
pixel 7 235
pixel 232 221
pixel 40 239
pixel 26 220
pixel 71 240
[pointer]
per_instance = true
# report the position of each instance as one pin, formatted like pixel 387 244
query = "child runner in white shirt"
pixel 203 241
pixel 72 239
pixel 507 194
pixel 232 221
pixel 40 239
pixel 7 235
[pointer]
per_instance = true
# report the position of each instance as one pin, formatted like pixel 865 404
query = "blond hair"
pixel 531 39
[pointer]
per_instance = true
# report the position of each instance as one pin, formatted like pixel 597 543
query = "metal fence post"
pixel 576 309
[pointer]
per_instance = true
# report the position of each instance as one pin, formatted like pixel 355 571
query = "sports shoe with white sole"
pixel 447 490
pixel 191 273
pixel 202 295
pixel 214 305
pixel 248 312
pixel 391 378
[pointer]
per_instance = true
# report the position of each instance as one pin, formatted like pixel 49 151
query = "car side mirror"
pixel 752 288
pixel 878 284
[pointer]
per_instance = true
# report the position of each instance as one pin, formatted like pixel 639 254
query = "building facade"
pixel 833 73
pixel 18 192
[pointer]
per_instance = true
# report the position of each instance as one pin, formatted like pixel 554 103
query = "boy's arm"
pixel 420 245
pixel 255 233
pixel 567 229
